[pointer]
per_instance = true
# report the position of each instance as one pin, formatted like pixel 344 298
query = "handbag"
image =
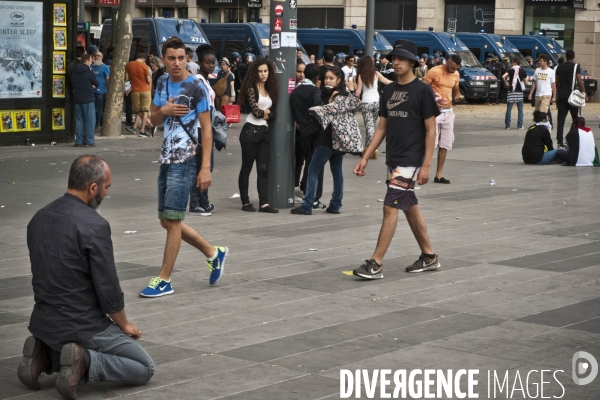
pixel 231 112
pixel 576 98
pixel 221 86
pixel 219 128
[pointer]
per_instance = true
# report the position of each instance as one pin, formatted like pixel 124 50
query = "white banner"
pixel 21 38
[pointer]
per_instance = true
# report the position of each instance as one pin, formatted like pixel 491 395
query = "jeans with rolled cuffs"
pixel 320 158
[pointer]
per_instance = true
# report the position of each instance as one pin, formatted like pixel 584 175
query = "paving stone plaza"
pixel 518 290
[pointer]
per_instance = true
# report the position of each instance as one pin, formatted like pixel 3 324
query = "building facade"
pixel 574 23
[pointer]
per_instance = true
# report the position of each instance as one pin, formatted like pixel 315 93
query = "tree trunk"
pixel 113 111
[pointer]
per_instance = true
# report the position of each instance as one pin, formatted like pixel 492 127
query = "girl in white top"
pixel 259 92
pixel 368 79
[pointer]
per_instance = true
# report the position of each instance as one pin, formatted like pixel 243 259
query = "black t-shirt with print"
pixel 406 107
pixel 564 72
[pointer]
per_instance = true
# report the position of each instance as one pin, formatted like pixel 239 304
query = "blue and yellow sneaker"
pixel 216 265
pixel 157 287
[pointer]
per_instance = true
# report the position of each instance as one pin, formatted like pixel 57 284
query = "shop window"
pixel 253 14
pixel 95 15
pixel 182 13
pixel 320 17
pixel 234 15
pixel 557 22
pixel 105 14
pixel 149 12
pixel 214 15
pixel 470 16
pixel 395 15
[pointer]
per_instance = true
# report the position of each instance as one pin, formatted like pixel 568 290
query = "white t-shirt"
pixel 264 102
pixel 193 68
pixel 349 72
pixel 544 78
pixel 211 92
pixel 370 95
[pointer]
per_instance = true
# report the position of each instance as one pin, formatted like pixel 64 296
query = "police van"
pixel 476 82
pixel 534 46
pixel 149 34
pixel 241 38
pixel 347 41
pixel 489 46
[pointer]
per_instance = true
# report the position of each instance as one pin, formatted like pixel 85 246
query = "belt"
pixel 446 109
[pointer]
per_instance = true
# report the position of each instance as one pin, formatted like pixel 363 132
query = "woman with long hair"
pixel 336 106
pixel 259 92
pixel 367 86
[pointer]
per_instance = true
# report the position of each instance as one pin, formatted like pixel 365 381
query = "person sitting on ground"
pixel 537 147
pixel 76 289
pixel 582 148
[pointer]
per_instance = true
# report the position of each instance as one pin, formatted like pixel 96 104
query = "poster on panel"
pixel 21 39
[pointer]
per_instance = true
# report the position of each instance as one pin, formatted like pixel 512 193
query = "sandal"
pixel 441 180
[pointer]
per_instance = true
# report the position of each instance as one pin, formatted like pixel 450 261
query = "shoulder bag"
pixel 221 85
pixel 192 137
pixel 576 98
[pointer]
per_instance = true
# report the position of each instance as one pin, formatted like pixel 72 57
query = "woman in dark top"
pixel 537 148
pixel 333 87
pixel 259 92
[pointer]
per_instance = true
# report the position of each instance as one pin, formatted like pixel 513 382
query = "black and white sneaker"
pixel 369 270
pixel 204 212
pixel 143 134
pixel 424 264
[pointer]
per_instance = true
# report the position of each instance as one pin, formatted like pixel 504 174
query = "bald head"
pixel 86 170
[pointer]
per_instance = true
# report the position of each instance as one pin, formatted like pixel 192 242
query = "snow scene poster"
pixel 21 38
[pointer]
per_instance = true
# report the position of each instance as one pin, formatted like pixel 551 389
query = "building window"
pixel 557 22
pixel 320 17
pixel 182 13
pixel 234 15
pixel 214 15
pixel 106 13
pixel 149 12
pixel 166 12
pixel 95 15
pixel 253 14
pixel 394 15
pixel 470 16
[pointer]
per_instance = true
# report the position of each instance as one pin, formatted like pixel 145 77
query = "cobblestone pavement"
pixel 518 289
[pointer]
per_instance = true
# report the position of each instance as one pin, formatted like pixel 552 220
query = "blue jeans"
pixel 174 182
pixel 551 155
pixel 117 358
pixel 320 158
pixel 99 103
pixel 509 107
pixel 85 119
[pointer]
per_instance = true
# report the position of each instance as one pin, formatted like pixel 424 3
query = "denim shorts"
pixel 174 182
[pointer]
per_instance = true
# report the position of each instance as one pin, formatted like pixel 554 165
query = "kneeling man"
pixel 76 290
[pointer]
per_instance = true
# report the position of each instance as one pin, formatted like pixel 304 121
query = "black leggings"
pixel 255 147
pixel 563 109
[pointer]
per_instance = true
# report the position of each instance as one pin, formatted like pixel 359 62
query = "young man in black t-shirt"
pixel 408 110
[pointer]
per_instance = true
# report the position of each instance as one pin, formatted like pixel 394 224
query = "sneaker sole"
pixel 63 383
pixel 24 371
pixel 379 276
pixel 200 214
pixel 429 268
pixel 222 266
pixel 157 295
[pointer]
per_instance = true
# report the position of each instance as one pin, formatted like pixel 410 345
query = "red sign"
pixel 278 10
pixel 278 24
pixel 109 2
